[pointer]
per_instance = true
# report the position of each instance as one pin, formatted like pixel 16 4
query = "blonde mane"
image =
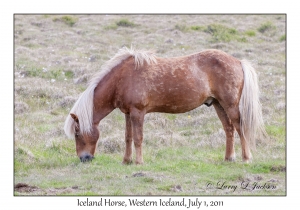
pixel 84 106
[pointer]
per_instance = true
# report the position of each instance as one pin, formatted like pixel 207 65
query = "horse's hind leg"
pixel 234 114
pixel 229 130
pixel 128 141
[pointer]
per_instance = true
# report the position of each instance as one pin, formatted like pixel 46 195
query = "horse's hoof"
pixel 230 159
pixel 127 162
pixel 247 161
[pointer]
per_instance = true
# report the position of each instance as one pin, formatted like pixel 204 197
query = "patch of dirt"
pixel 176 188
pixel 140 174
pixel 62 190
pixel 25 189
pixel 67 101
pixel 21 187
pixel 258 178
pixel 21 107
pixel 278 169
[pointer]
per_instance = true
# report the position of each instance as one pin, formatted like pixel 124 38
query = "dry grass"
pixel 55 56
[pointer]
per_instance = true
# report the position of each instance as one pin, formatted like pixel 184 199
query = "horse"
pixel 138 82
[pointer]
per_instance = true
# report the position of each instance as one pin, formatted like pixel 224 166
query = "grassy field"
pixel 55 55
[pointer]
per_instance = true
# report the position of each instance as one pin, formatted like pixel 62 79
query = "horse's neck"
pixel 103 99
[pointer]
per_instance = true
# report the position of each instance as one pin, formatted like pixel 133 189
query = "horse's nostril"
pixel 86 158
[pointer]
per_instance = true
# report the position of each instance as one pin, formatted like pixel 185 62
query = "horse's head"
pixel 86 143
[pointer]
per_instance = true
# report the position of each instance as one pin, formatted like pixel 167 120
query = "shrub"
pixel 67 19
pixel 111 146
pixel 282 38
pixel 67 101
pixel 125 23
pixel 250 33
pixel 198 28
pixel 221 32
pixel 267 26
pixel 113 26
pixel 181 27
pixel 69 74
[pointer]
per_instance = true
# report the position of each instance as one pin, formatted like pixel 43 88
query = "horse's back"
pixel 180 84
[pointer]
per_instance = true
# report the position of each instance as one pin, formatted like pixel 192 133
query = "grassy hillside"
pixel 55 56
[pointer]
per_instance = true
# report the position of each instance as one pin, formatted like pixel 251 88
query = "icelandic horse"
pixel 138 82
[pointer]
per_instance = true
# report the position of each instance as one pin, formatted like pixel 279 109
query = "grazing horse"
pixel 138 82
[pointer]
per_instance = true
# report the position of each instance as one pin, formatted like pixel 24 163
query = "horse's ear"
pixel 74 116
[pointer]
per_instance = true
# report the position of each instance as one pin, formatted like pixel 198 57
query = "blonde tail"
pixel 251 121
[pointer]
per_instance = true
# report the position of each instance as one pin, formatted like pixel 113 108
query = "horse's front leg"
pixel 137 121
pixel 128 141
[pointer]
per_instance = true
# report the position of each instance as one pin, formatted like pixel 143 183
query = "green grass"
pixel 278 131
pixel 171 117
pixel 182 167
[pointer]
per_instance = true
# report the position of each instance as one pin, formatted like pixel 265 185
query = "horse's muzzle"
pixel 86 158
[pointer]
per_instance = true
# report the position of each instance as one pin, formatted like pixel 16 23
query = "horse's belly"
pixel 176 102
pixel 172 109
